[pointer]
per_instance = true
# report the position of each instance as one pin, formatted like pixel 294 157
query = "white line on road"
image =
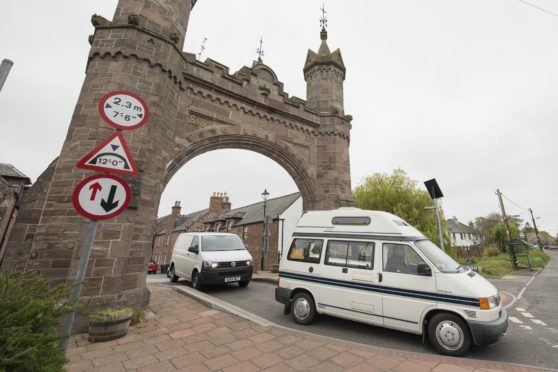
pixel 539 322
pixel 520 309
pixel 527 315
pixel 528 283
pixel 515 320
pixel 526 327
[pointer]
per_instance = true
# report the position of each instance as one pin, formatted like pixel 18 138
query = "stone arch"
pixel 288 161
pixel 194 107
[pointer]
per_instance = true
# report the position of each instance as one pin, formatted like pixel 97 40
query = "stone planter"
pixel 110 327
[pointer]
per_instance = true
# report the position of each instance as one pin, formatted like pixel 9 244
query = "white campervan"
pixel 210 258
pixel 375 268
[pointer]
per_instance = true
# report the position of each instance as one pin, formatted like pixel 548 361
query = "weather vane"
pixel 260 50
pixel 323 20
pixel 202 48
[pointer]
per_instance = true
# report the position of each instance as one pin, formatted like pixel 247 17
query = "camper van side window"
pixel 306 250
pixel 359 255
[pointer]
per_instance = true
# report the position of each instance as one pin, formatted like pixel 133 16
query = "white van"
pixel 210 258
pixel 375 268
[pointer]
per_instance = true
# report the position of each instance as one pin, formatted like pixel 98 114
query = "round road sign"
pixel 123 110
pixel 101 196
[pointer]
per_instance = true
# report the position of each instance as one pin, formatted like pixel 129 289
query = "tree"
pixel 398 194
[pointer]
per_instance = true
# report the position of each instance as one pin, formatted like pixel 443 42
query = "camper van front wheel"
pixel 449 334
pixel 303 308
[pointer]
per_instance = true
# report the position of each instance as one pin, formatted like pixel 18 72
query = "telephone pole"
pixel 536 230
pixel 504 214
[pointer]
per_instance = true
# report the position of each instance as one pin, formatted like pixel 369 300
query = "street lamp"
pixel 265 248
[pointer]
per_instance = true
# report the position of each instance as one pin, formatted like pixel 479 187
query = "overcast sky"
pixel 464 91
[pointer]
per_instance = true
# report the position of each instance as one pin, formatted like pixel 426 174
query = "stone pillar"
pixel 139 51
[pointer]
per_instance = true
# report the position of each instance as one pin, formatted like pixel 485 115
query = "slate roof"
pixel 9 171
pixel 182 220
pixel 254 213
pixel 455 226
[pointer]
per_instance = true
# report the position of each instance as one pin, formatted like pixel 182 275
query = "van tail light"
pixel 278 281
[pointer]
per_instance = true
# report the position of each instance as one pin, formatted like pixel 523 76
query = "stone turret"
pixel 324 73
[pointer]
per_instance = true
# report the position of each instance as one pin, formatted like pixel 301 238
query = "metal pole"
pixel 264 247
pixel 439 223
pixel 5 68
pixel 76 286
pixel 536 230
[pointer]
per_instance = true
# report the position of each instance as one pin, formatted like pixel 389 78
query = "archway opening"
pixel 221 191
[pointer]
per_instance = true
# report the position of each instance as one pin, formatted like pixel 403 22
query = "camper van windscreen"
pixel 355 221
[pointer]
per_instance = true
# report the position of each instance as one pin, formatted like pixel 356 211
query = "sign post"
pixel 98 197
pixel 104 196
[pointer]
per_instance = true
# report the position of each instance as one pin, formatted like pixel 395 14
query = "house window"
pixel 245 232
pixel 461 236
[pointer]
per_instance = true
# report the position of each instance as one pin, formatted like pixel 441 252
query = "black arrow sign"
pixel 140 116
pixel 110 204
pixel 114 147
pixel 108 106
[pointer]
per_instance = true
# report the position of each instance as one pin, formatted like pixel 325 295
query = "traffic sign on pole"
pixel 111 156
pixel 101 196
pixel 123 110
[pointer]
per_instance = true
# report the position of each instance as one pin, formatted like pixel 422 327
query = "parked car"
pixel 375 268
pixel 152 267
pixel 210 258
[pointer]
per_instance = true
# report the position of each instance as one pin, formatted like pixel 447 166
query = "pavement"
pixel 187 330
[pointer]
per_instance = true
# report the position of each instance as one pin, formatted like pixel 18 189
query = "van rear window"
pixel 306 250
pixel 355 221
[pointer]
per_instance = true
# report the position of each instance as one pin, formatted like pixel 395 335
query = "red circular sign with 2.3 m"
pixel 123 110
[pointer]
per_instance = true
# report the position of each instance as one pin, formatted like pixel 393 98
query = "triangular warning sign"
pixel 110 156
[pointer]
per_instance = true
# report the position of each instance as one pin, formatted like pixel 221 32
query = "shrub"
pixel 111 313
pixel 492 252
pixel 136 315
pixel 30 311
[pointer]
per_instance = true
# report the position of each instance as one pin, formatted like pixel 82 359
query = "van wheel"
pixel 196 280
pixel 243 284
pixel 303 308
pixel 173 277
pixel 449 334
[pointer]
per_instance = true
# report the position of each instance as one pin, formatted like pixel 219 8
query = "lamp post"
pixel 265 248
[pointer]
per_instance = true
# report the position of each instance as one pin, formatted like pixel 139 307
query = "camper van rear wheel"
pixel 449 334
pixel 303 308
pixel 173 277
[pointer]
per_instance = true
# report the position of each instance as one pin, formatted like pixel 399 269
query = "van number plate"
pixel 232 279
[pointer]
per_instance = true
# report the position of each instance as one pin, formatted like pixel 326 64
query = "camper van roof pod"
pixel 355 220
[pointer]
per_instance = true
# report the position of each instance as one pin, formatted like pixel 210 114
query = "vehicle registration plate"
pixel 232 279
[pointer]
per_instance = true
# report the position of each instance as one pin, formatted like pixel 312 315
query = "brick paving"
pixel 188 336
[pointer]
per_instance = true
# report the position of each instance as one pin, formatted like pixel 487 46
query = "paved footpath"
pixel 188 336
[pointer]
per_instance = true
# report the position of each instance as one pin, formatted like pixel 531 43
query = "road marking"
pixel 515 320
pixel 539 322
pixel 527 315
pixel 526 327
pixel 528 283
pixel 520 309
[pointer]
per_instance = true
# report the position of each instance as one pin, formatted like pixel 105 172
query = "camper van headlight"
pixel 209 264
pixel 487 303
pixel 249 263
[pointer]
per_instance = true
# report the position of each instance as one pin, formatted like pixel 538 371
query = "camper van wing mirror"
pixel 194 249
pixel 424 269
